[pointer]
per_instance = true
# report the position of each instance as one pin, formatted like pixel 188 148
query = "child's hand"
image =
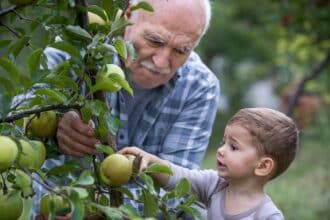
pixel 147 159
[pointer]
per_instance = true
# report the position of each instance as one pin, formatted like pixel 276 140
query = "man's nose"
pixel 161 58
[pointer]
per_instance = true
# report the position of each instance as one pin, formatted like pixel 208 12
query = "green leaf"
pixel 27 208
pixel 191 211
pixel 125 191
pixel 182 188
pixel 8 89
pixel 97 10
pixel 86 114
pixel 77 205
pixel 76 32
pixel 85 179
pixel 121 81
pixel 4 43
pixel 68 167
pixel 81 192
pixel 121 48
pixel 111 213
pixel 56 95
pixel 7 65
pixel 34 60
pixel 60 82
pixel 112 122
pixel 109 48
pixel 16 48
pixel 158 168
pixel 147 181
pixel 129 210
pixel 142 5
pixel 150 208
pixel 190 200
pixel 67 47
pixel 118 25
pixel 104 149
pixel 131 50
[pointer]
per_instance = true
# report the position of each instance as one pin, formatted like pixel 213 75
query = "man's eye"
pixel 155 43
pixel 179 51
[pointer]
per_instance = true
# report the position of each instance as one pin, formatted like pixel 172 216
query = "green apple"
pixel 43 125
pixel 104 82
pixel 21 2
pixel 96 19
pixel 11 205
pixel 33 154
pixel 52 200
pixel 117 169
pixel 8 152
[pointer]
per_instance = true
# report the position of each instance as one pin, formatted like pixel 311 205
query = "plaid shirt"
pixel 175 124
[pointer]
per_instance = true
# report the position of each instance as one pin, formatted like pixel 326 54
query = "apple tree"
pixel 33 95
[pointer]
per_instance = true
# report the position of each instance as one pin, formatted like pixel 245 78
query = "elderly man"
pixel 175 94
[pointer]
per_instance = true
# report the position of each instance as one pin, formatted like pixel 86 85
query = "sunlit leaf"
pixel 142 5
pixel 158 168
pixel 77 205
pixel 27 208
pixel 121 48
pixel 98 11
pixel 182 188
pixel 85 178
pixel 34 60
pixel 76 32
pixel 150 208
pixel 67 47
pixel 56 95
pixel 16 47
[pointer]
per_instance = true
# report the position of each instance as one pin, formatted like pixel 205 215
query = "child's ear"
pixel 265 166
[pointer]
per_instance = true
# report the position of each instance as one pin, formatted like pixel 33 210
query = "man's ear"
pixel 265 166
pixel 128 12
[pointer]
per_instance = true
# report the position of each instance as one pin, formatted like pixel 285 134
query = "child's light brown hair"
pixel 274 133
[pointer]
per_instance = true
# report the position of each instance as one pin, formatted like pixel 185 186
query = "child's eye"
pixel 233 147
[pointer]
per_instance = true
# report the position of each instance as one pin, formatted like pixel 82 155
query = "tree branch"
pixel 10 9
pixel 82 16
pixel 311 75
pixel 26 113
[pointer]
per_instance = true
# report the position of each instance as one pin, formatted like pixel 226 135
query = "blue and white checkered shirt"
pixel 175 123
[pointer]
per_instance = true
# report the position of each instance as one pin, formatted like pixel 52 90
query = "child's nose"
pixel 220 151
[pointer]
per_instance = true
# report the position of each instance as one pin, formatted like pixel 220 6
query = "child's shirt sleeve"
pixel 203 183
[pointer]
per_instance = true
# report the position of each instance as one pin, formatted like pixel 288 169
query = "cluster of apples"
pixel 29 154
pixel 33 152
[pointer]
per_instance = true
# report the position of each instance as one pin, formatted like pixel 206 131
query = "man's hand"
pixel 74 137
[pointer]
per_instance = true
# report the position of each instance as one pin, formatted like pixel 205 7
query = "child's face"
pixel 237 157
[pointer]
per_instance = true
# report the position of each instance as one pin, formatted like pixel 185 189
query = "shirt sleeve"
pixel 188 137
pixel 203 183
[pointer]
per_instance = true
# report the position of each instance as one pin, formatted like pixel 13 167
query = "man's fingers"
pixel 74 148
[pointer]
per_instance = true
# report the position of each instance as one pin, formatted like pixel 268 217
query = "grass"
pixel 302 192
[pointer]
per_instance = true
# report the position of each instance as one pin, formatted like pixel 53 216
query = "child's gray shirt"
pixel 210 190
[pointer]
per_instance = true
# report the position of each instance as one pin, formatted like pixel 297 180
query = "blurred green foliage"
pixel 282 40
pixel 255 40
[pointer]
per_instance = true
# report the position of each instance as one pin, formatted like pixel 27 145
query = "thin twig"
pixel 28 112
pixel 10 29
pixel 311 75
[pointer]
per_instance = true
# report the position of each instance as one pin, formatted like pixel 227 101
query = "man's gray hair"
pixel 207 8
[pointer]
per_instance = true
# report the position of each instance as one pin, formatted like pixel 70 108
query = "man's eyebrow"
pixel 152 36
pixel 185 49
